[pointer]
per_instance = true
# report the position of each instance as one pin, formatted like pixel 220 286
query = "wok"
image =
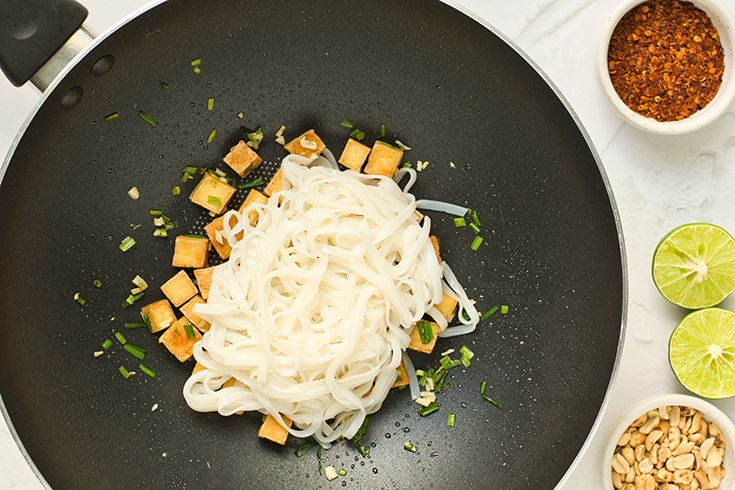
pixel 443 83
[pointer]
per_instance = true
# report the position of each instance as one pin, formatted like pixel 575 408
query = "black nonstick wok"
pixel 498 139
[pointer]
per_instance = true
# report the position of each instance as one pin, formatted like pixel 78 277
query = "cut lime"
pixel 694 265
pixel 702 353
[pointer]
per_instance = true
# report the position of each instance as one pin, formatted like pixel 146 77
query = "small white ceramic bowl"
pixel 709 412
pixel 723 21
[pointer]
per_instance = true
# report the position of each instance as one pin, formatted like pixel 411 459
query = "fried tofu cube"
pixel 253 197
pixel 190 251
pixel 273 431
pixel 383 160
pixel 307 145
pixel 354 154
pixel 242 159
pixel 188 311
pixel 197 367
pixel 418 215
pixel 179 289
pixel 447 305
pixel 160 314
pixel 417 345
pixel 204 280
pixel 212 194
pixel 404 377
pixel 276 183
pixel 214 232
pixel 178 342
pixel 435 244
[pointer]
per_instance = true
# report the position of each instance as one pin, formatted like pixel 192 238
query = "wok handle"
pixel 31 31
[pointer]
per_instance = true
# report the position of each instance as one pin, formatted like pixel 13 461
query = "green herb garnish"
pixel 148 119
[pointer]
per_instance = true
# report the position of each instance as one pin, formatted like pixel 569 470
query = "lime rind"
pixel 702 353
pixel 684 254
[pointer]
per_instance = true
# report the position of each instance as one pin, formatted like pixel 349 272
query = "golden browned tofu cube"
pixel 435 244
pixel 418 215
pixel 212 194
pixel 160 314
pixel 179 289
pixel 383 160
pixel 197 367
pixel 306 145
pixel 190 251
pixel 242 159
pixel 204 280
pixel 214 232
pixel 178 342
pixel 273 431
pixel 253 197
pixel 188 311
pixel 417 345
pixel 404 377
pixel 447 305
pixel 276 183
pixel 354 154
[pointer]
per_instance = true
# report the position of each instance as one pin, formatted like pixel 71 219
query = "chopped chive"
pixel 124 372
pixel 155 212
pixel 97 283
pixel 504 310
pixel 347 123
pixel 196 62
pixel 210 104
pixel 148 119
pixel 135 325
pixel 382 130
pixel 357 134
pixel 79 299
pixel 424 411
pixel 147 321
pixel 250 184
pixel 132 299
pixel 483 385
pixel 476 243
pixel 342 472
pixel 163 85
pixel 425 331
pixel 488 399
pixel 127 243
pixel 137 352
pixel 407 164
pixel 112 116
pixel 176 190
pixel 302 449
pixel 197 69
pixel 410 447
pixel 160 232
pixel 389 145
pixel 106 344
pixel 214 200
pixel 475 218
pixel 120 337
pixel 459 222
pixel 189 331
pixel 465 361
pixel 450 419
pixel 147 371
pixel 489 313
pixel 211 136
pixel 474 227
pixel 466 352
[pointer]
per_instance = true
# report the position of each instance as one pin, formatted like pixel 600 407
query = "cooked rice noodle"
pixel 311 315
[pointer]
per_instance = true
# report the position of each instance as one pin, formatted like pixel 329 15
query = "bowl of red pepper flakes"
pixel 668 66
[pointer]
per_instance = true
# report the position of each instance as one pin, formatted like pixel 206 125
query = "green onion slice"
pixel 127 243
pixel 357 134
pixel 483 386
pixel 382 130
pixel 163 85
pixel 112 116
pixel 189 331
pixel 425 331
pixel 450 419
pixel 410 447
pixel 488 399
pixel 120 337
pixel 459 222
pixel 135 325
pixel 97 283
pixel 302 449
pixel 504 310
pixel 211 135
pixel 148 119
pixel 124 372
pixel 475 218
pixel 342 472
pixel 424 411
pixel 347 123
pixel 474 227
pixel 476 243
pixel 489 313
pixel 250 184
pixel 136 351
pixel 107 344
pixel 196 62
pixel 210 104
pixel 147 371
pixel 214 200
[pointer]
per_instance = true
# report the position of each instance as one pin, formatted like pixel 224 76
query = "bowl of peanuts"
pixel 668 67
pixel 670 442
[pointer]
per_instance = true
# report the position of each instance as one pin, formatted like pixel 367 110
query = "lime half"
pixel 702 353
pixel 694 265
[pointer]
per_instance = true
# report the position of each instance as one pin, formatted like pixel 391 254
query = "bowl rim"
pixel 723 21
pixel 710 412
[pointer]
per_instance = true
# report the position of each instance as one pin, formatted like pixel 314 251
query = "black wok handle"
pixel 31 31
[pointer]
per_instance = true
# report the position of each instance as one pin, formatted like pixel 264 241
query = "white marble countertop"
pixel 659 182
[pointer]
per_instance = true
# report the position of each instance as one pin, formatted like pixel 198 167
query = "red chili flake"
pixel 665 59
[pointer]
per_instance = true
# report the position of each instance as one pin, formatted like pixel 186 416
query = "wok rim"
pixel 484 23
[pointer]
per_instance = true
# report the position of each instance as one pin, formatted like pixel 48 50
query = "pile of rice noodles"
pixel 311 314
